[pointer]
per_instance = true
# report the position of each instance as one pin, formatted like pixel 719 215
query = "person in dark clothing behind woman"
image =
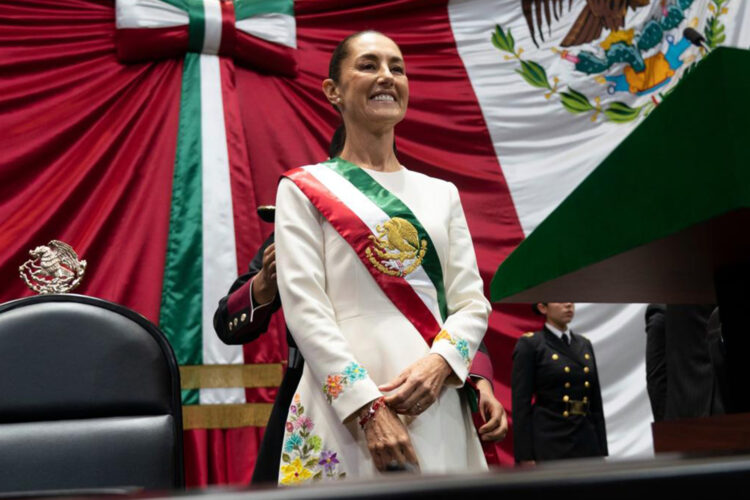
pixel 684 361
pixel 245 313
pixel 656 365
pixel 242 316
pixel 557 367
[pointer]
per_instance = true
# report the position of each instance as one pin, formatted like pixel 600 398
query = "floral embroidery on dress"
pixel 303 456
pixel 460 344
pixel 335 382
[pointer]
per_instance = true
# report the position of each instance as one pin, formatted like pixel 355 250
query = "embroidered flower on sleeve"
pixel 333 387
pixel 302 459
pixel 443 335
pixel 354 372
pixel 304 423
pixel 337 382
pixel 461 345
pixel 295 472
pixel 293 441
pixel 315 442
pixel 328 460
pixel 463 348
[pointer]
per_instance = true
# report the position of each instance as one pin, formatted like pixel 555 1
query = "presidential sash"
pixel 388 238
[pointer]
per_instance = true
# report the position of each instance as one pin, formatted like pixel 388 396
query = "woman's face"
pixel 373 87
pixel 558 313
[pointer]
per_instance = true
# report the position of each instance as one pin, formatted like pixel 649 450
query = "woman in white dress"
pixel 378 277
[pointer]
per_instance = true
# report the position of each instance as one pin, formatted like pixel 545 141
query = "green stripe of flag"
pixel 249 8
pixel 191 396
pixel 196 26
pixel 394 207
pixel 181 299
pixel 180 4
pixel 196 21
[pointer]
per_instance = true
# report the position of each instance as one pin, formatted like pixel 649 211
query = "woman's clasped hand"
pixel 388 440
pixel 418 386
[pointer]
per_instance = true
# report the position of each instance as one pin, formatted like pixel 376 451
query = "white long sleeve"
pixel 301 276
pixel 468 309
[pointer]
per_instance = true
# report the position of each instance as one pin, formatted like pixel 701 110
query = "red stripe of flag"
pixel 247 228
pixel 228 31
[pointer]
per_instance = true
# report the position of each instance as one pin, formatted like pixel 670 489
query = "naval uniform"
pixel 557 404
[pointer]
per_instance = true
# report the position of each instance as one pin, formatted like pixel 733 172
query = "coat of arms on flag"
pixel 561 83
pixel 637 57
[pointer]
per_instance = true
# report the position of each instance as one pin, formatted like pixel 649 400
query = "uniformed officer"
pixel 557 403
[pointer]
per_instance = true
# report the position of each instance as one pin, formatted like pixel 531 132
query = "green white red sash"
pixel 356 206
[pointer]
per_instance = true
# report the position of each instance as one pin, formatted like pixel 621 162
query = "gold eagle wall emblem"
pixel 53 268
pixel 397 249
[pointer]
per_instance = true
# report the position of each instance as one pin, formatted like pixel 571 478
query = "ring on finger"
pixel 419 407
pixel 395 465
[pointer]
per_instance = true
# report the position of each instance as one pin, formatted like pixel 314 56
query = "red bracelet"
pixel 371 412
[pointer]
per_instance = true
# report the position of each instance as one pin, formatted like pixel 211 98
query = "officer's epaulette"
pixel 528 334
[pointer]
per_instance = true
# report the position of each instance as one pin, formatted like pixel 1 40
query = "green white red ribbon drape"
pixel 211 156
pixel 260 34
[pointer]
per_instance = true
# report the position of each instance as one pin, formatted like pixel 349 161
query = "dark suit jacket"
pixel 546 370
pixel 656 360
pixel 232 317
pixel 682 361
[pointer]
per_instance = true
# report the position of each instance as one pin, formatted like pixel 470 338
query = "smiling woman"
pixel 393 93
pixel 377 273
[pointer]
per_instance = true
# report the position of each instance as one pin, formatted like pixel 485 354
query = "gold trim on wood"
pixel 225 416
pixel 221 376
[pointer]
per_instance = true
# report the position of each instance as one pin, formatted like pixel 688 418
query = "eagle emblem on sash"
pixel 397 249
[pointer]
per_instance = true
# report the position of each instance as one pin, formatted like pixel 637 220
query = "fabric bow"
pixel 257 33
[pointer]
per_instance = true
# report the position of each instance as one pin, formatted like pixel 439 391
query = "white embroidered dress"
pixel 353 338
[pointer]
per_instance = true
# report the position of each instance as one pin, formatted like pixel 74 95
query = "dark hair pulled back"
pixel 340 53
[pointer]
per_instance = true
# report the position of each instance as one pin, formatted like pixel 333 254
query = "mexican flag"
pixel 145 133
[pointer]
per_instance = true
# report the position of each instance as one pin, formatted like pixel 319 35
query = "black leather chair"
pixel 89 398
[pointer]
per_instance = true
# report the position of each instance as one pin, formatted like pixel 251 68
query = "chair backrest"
pixel 89 398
